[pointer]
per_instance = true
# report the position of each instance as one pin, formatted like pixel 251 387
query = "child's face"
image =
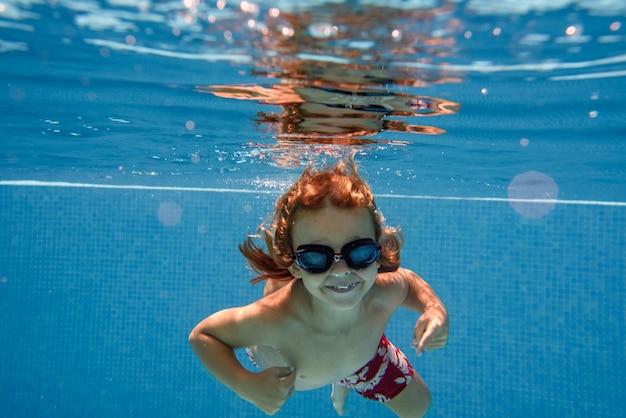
pixel 340 286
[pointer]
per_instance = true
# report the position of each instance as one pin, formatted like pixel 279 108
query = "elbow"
pixel 195 338
pixel 200 338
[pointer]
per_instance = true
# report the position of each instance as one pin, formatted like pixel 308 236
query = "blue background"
pixel 98 297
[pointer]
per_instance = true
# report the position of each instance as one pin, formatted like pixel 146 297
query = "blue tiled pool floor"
pixel 99 292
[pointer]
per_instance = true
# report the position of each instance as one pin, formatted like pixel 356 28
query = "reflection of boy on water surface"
pixel 336 67
pixel 328 111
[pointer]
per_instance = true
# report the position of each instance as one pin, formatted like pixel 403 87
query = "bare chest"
pixel 321 359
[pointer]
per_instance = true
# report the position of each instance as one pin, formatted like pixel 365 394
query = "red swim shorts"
pixel 384 377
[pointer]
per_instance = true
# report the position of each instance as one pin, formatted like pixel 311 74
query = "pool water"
pixel 143 140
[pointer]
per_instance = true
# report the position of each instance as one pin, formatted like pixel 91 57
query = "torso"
pixel 334 353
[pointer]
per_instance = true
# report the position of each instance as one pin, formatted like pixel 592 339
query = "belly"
pixel 315 375
pixel 311 374
pixel 308 382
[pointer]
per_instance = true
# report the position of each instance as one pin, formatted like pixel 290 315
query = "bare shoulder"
pixel 397 279
pixel 392 287
pixel 271 311
pixel 258 323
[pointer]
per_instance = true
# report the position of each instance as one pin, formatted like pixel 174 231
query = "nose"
pixel 339 266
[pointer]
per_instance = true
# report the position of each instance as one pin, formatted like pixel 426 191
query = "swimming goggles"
pixel 318 258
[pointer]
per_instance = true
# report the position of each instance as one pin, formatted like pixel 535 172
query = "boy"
pixel 333 280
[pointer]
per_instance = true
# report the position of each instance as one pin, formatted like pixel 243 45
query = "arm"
pixel 214 340
pixel 431 329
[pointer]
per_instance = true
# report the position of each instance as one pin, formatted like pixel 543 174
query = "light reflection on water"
pixel 427 87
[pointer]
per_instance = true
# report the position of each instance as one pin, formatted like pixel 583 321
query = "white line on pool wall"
pixel 504 199
pixel 35 183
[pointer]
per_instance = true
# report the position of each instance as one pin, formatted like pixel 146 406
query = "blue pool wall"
pixel 99 292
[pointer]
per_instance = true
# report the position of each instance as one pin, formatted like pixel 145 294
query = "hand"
pixel 431 329
pixel 339 395
pixel 271 388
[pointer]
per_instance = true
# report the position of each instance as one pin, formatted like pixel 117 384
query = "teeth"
pixel 345 287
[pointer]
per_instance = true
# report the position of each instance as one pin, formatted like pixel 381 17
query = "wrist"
pixel 437 307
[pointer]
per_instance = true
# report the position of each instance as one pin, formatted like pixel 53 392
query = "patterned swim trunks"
pixel 384 377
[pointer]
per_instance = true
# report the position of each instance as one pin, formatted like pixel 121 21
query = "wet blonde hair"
pixel 340 185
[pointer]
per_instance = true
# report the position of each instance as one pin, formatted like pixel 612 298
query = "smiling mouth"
pixel 342 288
